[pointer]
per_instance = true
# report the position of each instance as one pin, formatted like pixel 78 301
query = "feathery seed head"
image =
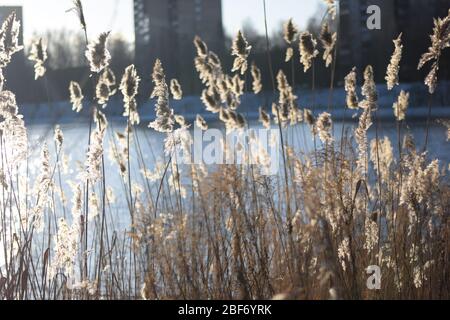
pixel 94 155
pixel 97 53
pixel 241 50
pixel 241 122
pixel 105 87
pixel 328 41
pixel 109 77
pixel 440 39
pixel 181 121
pixel 256 74
pixel 38 54
pixel 224 115
pixel 164 114
pixel 286 101
pixel 78 9
pixel 365 121
pixel 175 89
pixel 401 106
pixel 324 125
pixel 59 137
pixel 214 60
pixel 350 88
pixel 76 96
pixel 8 105
pixel 308 50
pixel 201 123
pixel 289 54
pixel 394 65
pixel 381 155
pixel 290 31
pixel 9 39
pixel 100 120
pixel 211 99
pixel 129 86
pixel 264 118
pixel 102 92
pixel 331 8
pixel 309 117
pixel 202 48
pixel 369 90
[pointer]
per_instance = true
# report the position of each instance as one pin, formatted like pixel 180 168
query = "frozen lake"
pixel 151 144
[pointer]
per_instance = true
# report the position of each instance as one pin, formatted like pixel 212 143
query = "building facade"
pixel 165 29
pixel 360 46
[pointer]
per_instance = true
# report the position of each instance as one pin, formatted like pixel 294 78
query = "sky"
pixel 117 15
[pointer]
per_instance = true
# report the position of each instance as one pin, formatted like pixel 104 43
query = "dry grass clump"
pixel 229 231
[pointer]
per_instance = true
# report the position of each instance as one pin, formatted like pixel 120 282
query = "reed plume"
pixel 12 128
pixel 310 120
pixel 129 86
pixel 331 8
pixel 365 122
pixel 78 9
pixel 164 114
pixel 9 39
pixel 385 157
pixel 106 87
pixel 8 105
pixel 229 233
pixel 328 41
pixel 38 54
pixel 256 74
pixel 65 248
pixel 202 48
pixel 175 89
pixel 76 96
pixel 324 125
pixel 181 121
pixel 103 91
pixel 290 32
pixel 201 123
pixel 41 189
pixel 308 50
pixel 93 162
pixel 401 105
pixel 350 88
pixel 440 39
pixel 58 137
pixel 287 99
pixel 264 118
pixel 369 91
pixel 97 53
pixel 241 50
pixel 110 78
pixel 211 99
pixel 393 68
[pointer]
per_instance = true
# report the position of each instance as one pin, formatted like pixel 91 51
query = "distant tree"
pixel 121 50
pixel 256 39
pixel 66 49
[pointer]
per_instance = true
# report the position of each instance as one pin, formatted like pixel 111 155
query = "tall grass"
pixel 228 231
